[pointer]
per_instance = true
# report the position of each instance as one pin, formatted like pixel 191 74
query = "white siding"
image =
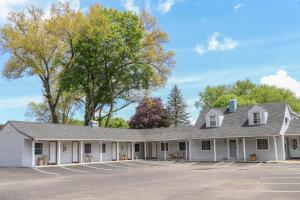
pixel 261 155
pixel 285 126
pixel 11 147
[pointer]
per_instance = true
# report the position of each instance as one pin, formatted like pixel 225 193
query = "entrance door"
pixel 52 152
pixel 129 150
pixel 153 150
pixel 294 147
pixel 75 152
pixel 232 149
pixel 114 150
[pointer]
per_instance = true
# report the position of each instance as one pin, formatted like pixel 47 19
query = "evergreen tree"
pixel 177 109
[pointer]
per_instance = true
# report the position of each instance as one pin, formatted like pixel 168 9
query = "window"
pixel 38 148
pixel 103 148
pixel 205 145
pixel 294 143
pixel 163 147
pixel 181 146
pixel 137 148
pixel 256 118
pixel 87 148
pixel 212 121
pixel 262 144
pixel 64 148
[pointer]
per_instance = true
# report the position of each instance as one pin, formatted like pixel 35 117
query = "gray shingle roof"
pixel 59 131
pixel 294 127
pixel 234 125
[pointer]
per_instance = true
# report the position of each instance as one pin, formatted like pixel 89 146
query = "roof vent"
pixel 93 124
pixel 232 105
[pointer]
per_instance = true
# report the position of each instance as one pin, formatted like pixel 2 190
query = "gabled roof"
pixel 236 123
pixel 294 126
pixel 42 131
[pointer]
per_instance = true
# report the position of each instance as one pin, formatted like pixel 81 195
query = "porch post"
pixel 190 151
pixel 283 147
pixel 215 151
pixel 186 150
pixel 165 150
pixel 118 157
pixel 244 149
pixel 145 150
pixel 275 148
pixel 132 150
pixel 33 153
pixel 58 153
pixel 101 156
pixel 81 151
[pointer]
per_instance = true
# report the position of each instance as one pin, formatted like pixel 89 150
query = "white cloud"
pixel 238 6
pixel 18 102
pixel 282 80
pixel 216 42
pixel 131 6
pixel 166 5
pixel 9 5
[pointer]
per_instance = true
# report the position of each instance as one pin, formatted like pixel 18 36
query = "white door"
pixel 52 152
pixel 153 150
pixel 294 147
pixel 129 150
pixel 114 151
pixel 75 152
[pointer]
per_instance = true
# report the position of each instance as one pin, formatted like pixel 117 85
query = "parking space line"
pixel 96 167
pixel 280 183
pixel 219 163
pixel 285 177
pixel 156 163
pixel 114 165
pixel 286 173
pixel 74 170
pixel 50 173
pixel 258 164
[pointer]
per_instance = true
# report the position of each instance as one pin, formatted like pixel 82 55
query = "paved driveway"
pixel 154 180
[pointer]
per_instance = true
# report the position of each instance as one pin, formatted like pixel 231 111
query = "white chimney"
pixel 232 105
pixel 94 124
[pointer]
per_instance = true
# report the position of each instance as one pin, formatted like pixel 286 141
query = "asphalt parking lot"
pixel 153 180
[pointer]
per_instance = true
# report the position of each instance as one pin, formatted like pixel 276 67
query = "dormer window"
pixel 256 118
pixel 213 122
pixel 214 118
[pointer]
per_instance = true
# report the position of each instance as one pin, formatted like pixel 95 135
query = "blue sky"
pixel 215 41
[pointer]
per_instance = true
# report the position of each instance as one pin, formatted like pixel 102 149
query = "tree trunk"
pixel 109 113
pixel 51 103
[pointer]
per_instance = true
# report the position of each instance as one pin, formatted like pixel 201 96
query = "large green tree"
pixel 118 54
pixel 41 45
pixel 177 109
pixel 247 93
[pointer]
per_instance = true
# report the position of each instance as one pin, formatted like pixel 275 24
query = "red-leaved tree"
pixel 150 113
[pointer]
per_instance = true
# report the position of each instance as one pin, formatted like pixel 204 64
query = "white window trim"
pixel 167 144
pixel 215 116
pixel 259 120
pixel 263 149
pixel 205 149
pixel 179 146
